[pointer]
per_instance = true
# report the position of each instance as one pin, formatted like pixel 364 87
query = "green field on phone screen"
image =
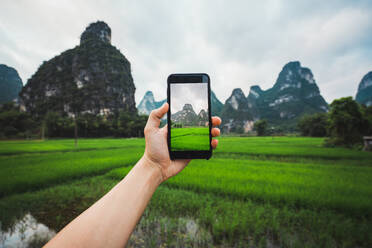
pixel 190 139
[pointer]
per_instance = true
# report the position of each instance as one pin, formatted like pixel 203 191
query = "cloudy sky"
pixel 195 94
pixel 238 43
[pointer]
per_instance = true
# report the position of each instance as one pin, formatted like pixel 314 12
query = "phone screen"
pixel 189 116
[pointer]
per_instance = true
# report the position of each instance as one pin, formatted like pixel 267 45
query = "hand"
pixel 156 152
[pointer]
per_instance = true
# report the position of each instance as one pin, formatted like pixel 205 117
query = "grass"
pixel 34 171
pixel 15 147
pixel 228 221
pixel 190 139
pixel 286 191
pixel 342 188
pixel 301 147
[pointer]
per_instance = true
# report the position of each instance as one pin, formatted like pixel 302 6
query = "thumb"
pixel 156 115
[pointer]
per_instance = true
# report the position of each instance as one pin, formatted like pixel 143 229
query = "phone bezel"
pixel 189 78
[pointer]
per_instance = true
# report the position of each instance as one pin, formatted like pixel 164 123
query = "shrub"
pixel 346 122
pixel 260 127
pixel 313 125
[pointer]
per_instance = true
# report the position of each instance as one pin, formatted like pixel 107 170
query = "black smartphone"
pixel 189 116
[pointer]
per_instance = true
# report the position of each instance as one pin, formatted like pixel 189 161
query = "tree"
pixel 139 125
pixel 346 122
pixel 313 125
pixel 17 124
pixel 260 127
pixel 131 125
pixel 14 123
pixel 58 125
pixel 367 113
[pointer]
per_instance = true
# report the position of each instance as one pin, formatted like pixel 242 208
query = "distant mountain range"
pixel 10 84
pixel 364 94
pixel 148 103
pixel 294 94
pixel 216 105
pixel 188 117
pixel 95 78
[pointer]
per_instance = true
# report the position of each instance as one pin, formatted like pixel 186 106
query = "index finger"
pixel 216 121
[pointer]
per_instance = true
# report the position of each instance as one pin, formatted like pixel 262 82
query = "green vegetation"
pixel 14 147
pixel 87 91
pixel 344 188
pixel 313 125
pixel 56 168
pixel 260 127
pixel 256 191
pixel 17 124
pixel 190 138
pixel 14 123
pixel 345 124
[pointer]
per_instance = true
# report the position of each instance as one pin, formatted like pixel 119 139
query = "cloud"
pixel 238 44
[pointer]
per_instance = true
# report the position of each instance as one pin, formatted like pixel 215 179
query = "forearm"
pixel 111 220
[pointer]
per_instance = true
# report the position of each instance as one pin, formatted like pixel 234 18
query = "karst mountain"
pixel 94 77
pixel 10 84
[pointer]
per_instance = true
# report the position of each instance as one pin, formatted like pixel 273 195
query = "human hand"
pixel 156 152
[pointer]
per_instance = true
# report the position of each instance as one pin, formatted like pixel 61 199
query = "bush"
pixel 260 127
pixel 346 122
pixel 17 124
pixel 58 125
pixel 13 122
pixel 313 125
pixel 367 113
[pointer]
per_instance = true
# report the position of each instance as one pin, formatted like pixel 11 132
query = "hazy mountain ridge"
pixel 10 84
pixel 188 117
pixel 216 105
pixel 236 114
pixel 94 77
pixel 148 103
pixel 364 94
pixel 294 94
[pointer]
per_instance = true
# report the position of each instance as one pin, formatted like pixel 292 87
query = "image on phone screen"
pixel 189 117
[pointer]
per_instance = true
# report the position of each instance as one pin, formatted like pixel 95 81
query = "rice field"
pixel 190 139
pixel 255 191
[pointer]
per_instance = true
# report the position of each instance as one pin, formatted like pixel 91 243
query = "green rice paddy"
pixel 190 139
pixel 255 191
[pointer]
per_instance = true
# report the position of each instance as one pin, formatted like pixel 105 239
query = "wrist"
pixel 152 168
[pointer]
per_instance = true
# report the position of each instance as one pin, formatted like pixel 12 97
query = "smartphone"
pixel 189 116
